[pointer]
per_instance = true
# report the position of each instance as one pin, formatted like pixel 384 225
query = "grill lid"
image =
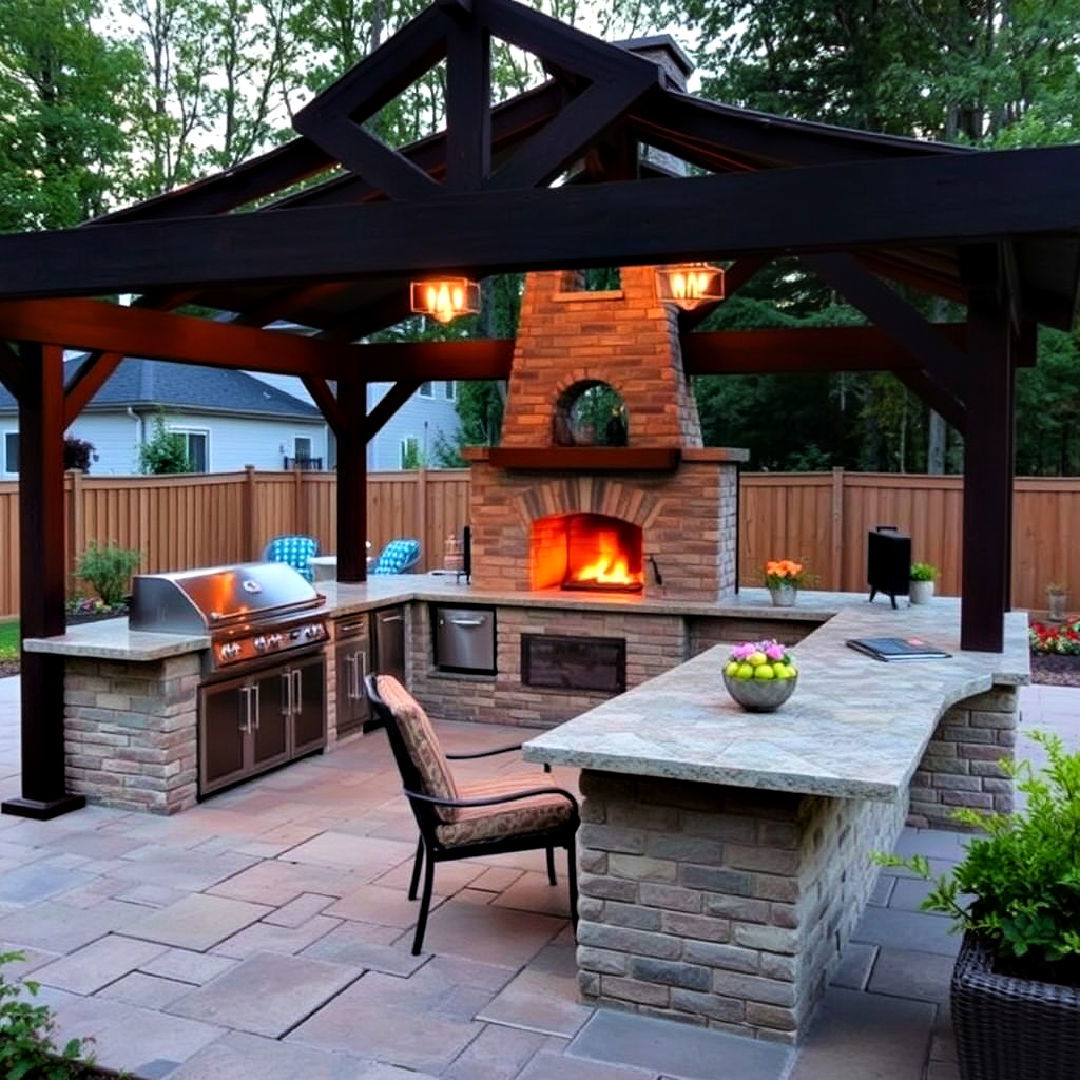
pixel 194 601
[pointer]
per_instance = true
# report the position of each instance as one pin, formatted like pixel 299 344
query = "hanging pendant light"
pixel 444 299
pixel 690 284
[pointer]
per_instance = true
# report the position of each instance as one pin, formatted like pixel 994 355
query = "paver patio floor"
pixel 266 934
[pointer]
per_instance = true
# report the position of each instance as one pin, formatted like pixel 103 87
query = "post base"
pixel 42 811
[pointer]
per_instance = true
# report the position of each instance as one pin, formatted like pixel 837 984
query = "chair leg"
pixel 425 903
pixel 552 879
pixel 418 862
pixel 571 879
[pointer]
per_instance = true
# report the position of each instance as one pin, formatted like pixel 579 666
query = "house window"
pixel 11 451
pixel 450 389
pixel 427 389
pixel 197 447
pixel 410 453
pixel 302 448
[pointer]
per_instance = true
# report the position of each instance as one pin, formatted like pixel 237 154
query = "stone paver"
pixel 680 1051
pixel 97 964
pixel 198 921
pixel 314 861
pixel 267 994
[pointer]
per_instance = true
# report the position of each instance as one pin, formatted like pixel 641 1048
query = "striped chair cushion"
pixel 421 741
pixel 397 556
pixel 297 551
pixel 476 824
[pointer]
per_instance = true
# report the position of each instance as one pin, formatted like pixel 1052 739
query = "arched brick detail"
pixel 587 495
pixel 627 338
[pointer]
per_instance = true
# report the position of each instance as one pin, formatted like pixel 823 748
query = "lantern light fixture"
pixel 445 299
pixel 691 284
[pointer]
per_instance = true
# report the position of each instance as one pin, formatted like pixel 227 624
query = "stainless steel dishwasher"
pixel 464 639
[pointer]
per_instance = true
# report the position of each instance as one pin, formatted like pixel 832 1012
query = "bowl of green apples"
pixel 760 675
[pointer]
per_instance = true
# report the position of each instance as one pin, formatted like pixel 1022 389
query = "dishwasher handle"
pixel 467 622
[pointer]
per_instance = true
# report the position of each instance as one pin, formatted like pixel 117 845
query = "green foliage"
pixel 165 452
pixel 923 571
pixel 1024 876
pixel 9 639
pixel 27 1049
pixel 108 568
pixel 77 453
pixel 411 455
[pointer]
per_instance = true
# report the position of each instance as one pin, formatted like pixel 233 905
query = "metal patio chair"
pixel 467 819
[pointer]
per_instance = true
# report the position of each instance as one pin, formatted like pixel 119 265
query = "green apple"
pixel 745 671
pixel 780 669
pixel 757 659
pixel 732 670
pixel 765 671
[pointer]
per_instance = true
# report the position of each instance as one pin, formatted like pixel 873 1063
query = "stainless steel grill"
pixel 251 610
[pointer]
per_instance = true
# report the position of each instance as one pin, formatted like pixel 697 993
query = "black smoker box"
pixel 888 562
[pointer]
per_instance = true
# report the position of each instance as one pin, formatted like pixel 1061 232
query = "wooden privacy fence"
pixel 200 520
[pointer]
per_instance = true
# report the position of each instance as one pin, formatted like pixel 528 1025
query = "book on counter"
pixel 894 648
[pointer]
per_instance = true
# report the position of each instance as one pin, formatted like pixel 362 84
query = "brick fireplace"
pixel 600 482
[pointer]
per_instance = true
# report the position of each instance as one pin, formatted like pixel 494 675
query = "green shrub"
pixel 27 1050
pixel 1025 874
pixel 108 569
pixel 923 571
pixel 165 452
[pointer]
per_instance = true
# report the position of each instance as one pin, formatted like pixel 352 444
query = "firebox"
pixel 589 552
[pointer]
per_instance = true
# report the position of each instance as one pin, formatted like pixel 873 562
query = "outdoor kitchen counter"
pixel 855 727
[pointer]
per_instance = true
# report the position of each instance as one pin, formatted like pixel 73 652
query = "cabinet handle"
pixel 390 618
pixel 361 664
pixel 298 692
pixel 286 692
pixel 245 711
pixel 254 706
pixel 354 676
pixel 466 622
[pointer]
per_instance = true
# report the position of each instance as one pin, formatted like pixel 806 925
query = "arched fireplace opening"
pixel 586 552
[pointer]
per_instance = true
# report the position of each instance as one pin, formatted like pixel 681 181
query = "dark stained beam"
pixel 737 275
pixel 988 457
pixel 947 199
pixel 468 105
pixel 159 335
pixel 391 401
pixel 803 349
pixel 324 397
pixel 42 579
pixel 11 371
pixel 945 364
pixel 283 302
pixel 351 488
pixel 921 383
pixel 422 361
pixel 90 376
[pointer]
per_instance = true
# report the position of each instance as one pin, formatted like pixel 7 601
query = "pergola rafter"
pixel 994 231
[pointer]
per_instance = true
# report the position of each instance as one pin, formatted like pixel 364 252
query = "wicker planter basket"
pixel 1010 1028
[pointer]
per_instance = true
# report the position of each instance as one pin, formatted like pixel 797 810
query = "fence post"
pixel 75 522
pixel 422 516
pixel 248 525
pixel 299 525
pixel 837 552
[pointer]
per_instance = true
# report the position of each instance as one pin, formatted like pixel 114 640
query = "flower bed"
pixel 1055 652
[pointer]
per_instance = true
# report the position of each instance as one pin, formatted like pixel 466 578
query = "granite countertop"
pixel 855 727
pixel 112 639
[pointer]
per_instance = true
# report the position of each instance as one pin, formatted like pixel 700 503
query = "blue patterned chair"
pixel 297 551
pixel 398 557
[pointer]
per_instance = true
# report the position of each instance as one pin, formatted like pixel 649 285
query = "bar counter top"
pixel 855 727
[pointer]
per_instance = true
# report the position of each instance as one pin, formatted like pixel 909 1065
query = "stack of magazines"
pixel 894 648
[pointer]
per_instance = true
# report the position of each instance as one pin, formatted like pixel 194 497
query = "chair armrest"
pixel 484 753
pixel 493 800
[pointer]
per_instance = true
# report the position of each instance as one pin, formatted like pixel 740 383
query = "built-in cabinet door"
pixel 270 730
pixel 309 704
pixel 225 716
pixel 350 667
pixel 389 633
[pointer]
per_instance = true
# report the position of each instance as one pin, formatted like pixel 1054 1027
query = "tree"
pixel 65 94
pixel 165 452
pixel 77 453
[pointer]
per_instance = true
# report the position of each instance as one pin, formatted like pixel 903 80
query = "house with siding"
pixel 228 419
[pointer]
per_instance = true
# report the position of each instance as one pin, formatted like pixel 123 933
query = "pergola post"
pixel 352 481
pixel 988 461
pixel 42 572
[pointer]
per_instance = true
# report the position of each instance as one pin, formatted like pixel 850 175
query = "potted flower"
pixel 1056 596
pixel 922 582
pixel 1015 989
pixel 783 578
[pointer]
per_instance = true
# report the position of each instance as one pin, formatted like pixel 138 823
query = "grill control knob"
pixel 273 640
pixel 259 643
pixel 230 650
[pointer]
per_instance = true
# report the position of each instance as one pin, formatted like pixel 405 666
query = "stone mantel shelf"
pixel 602 458
pixel 855 727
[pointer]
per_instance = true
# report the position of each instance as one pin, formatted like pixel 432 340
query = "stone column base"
pixel 721 905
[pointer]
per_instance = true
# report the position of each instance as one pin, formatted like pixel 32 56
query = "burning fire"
pixel 611 565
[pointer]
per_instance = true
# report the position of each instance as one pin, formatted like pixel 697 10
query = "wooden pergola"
pixel 998 233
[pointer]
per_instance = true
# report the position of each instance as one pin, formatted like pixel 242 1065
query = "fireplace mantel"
pixel 600 458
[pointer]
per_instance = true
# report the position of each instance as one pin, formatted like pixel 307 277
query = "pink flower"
pixel 741 652
pixel 775 651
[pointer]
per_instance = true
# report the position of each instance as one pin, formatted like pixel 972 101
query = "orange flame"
pixel 611 565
